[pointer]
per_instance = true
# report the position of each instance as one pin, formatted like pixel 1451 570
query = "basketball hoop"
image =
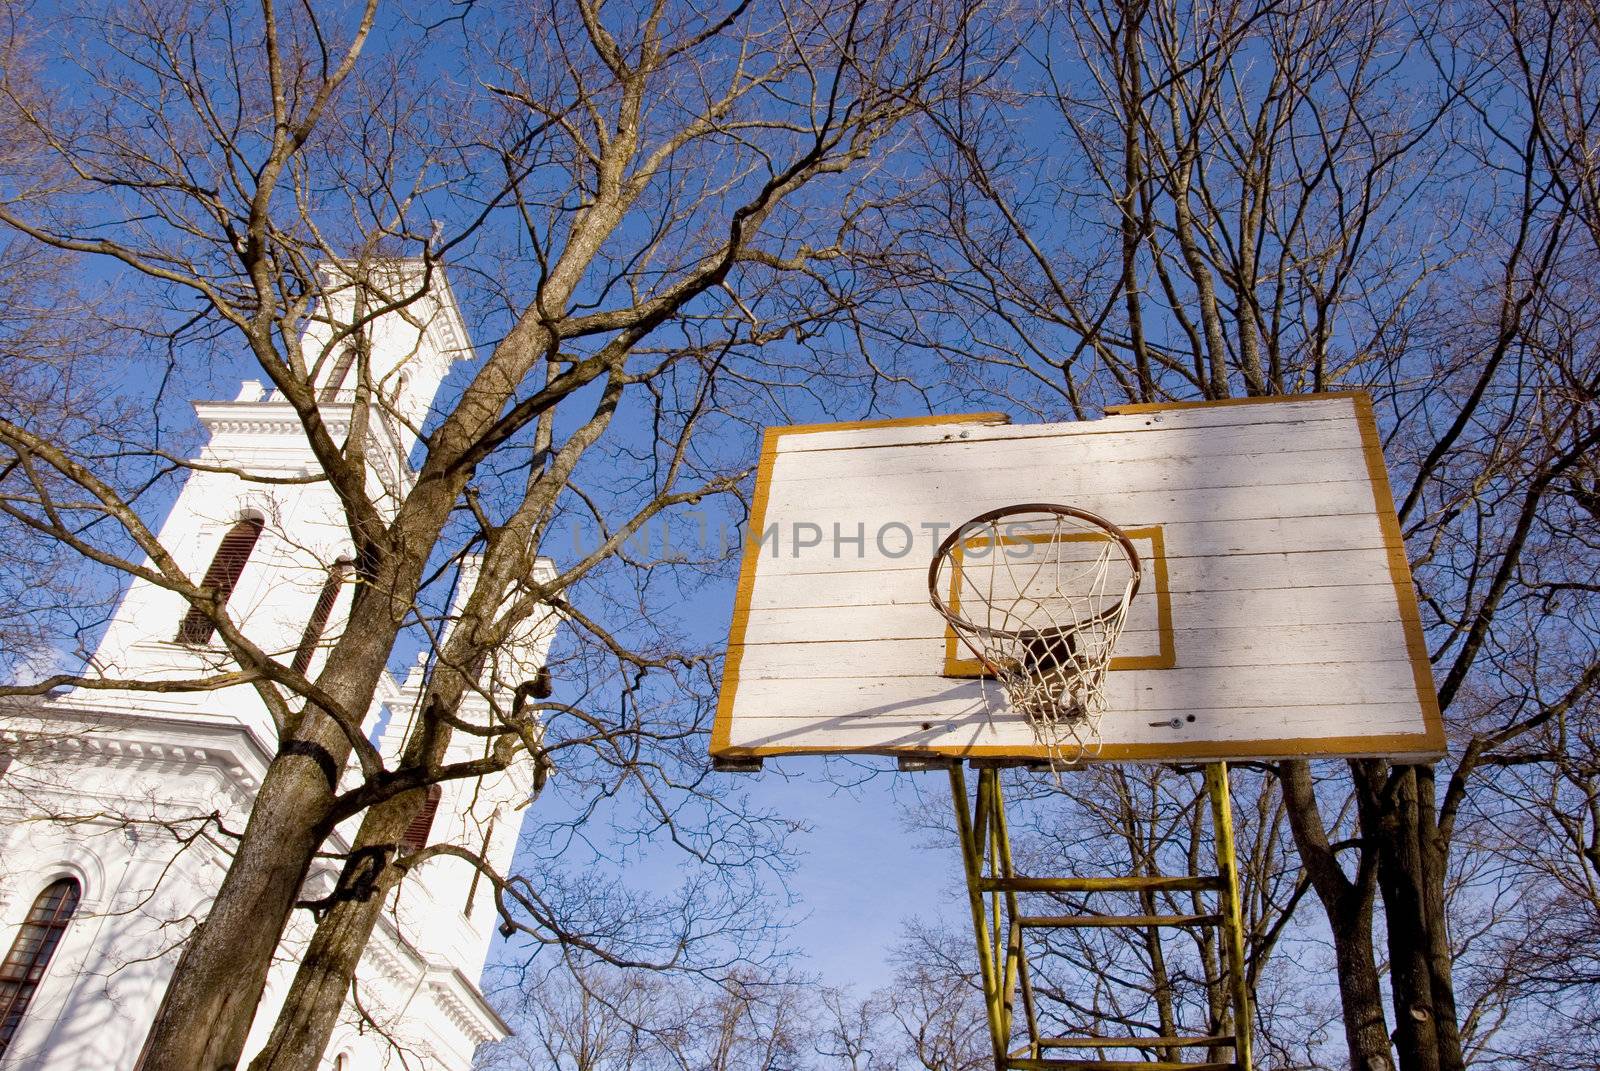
pixel 1039 593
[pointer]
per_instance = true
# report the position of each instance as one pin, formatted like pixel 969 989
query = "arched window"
pixel 341 1062
pixel 417 832
pixel 36 942
pixel 320 614
pixel 221 577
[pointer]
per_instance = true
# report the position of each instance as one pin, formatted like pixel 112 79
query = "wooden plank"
pixel 880 511
pixel 1262 610
pixel 1141 463
pixel 968 718
pixel 1244 646
pixel 981 734
pixel 1297 414
pixel 819 547
pixel 1384 733
pixel 1199 564
pixel 1159 693
pixel 908 582
pixel 922 726
pixel 935 497
pixel 1150 469
pixel 1130 441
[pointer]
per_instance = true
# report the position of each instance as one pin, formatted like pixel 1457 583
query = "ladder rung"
pixel 1126 884
pixel 1115 1065
pixel 1136 1043
pixel 1120 920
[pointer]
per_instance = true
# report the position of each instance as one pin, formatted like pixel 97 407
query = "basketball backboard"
pixel 1275 617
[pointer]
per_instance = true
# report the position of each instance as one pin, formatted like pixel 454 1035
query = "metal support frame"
pixel 998 924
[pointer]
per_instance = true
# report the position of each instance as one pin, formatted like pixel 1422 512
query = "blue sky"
pixel 863 872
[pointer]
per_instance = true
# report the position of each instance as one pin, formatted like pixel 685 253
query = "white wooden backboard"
pixel 1276 617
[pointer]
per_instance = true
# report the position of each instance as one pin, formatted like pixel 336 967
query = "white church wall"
pixel 110 812
pixel 124 816
pixel 134 765
pixel 412 350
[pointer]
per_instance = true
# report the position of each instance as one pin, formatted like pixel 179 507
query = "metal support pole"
pixel 972 861
pixel 998 924
pixel 1016 953
pixel 1230 909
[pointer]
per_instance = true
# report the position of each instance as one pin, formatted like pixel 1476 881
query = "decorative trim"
pixel 266 418
pixel 133 741
pixel 471 1021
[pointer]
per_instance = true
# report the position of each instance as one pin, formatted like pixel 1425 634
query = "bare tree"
pixel 639 201
pixel 597 1018
pixel 1248 199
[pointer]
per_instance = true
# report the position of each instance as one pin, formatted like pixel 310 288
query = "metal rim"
pixel 941 555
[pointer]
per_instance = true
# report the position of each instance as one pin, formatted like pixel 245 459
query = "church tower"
pixel 117 807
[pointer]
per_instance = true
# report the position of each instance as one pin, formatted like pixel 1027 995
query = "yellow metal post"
pixel 972 862
pixel 1005 936
pixel 999 926
pixel 1016 954
pixel 1230 909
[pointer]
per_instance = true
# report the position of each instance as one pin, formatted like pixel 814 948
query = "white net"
pixel 1040 594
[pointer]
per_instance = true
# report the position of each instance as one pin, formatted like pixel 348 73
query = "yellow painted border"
pixel 1166 657
pixel 1416 746
pixel 1405 589
pixel 1135 408
pixel 1410 747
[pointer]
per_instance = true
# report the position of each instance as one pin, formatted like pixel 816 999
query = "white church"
pixel 112 803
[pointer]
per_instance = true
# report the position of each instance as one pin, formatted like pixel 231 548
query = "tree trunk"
pixel 209 1005
pixel 1441 957
pixel 1398 816
pixel 1366 1030
pixel 211 1001
pixel 1348 904
pixel 311 1010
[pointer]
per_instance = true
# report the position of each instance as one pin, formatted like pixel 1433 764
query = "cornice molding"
pixel 267 418
pixel 138 740
pixel 463 1001
pixel 146 755
pixel 463 1005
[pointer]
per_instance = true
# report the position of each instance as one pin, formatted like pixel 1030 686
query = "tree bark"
pixel 209 1005
pixel 324 976
pixel 1349 906
pixel 1441 958
pixel 1398 815
pixel 1133 179
pixel 206 1013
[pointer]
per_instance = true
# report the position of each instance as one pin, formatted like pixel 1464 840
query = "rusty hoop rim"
pixel 942 554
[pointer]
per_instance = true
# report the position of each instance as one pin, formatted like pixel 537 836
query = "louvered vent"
pixel 221 577
pixel 417 832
